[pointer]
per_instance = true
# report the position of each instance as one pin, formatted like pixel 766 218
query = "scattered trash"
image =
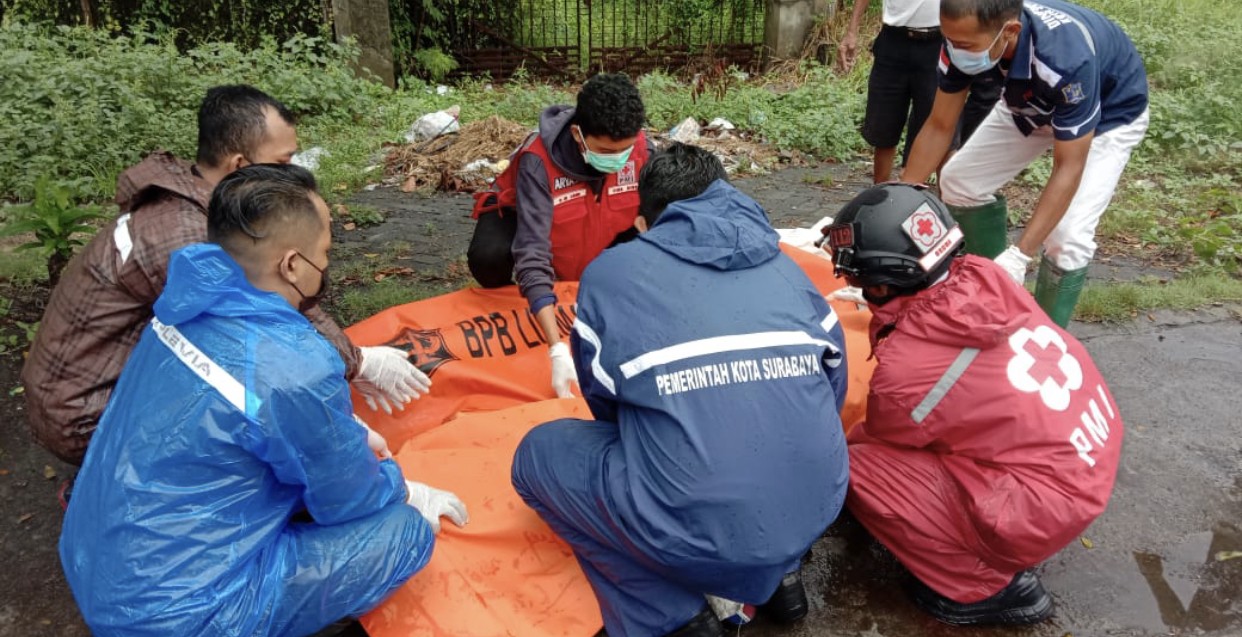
pixel 349 226
pixel 466 161
pixel 49 472
pixel 387 272
pixel 442 90
pixel 24 518
pixel 309 158
pixel 686 132
pixel 433 125
pixel 370 187
pixel 1087 542
pixel 720 123
pixel 1225 556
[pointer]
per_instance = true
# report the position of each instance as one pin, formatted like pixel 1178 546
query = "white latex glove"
pixel 1015 263
pixel 433 503
pixel 563 372
pixel 375 441
pixel 386 379
pixel 848 294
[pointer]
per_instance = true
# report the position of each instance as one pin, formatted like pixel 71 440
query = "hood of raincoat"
pixel 722 229
pixel 158 176
pixel 976 306
pixel 204 279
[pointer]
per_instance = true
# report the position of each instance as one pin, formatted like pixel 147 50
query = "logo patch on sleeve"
pixel 924 228
pixel 1073 93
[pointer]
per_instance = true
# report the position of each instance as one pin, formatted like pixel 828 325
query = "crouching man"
pixel 230 423
pixel 991 441
pixel 715 372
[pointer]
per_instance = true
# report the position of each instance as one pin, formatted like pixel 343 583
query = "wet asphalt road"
pixel 1148 567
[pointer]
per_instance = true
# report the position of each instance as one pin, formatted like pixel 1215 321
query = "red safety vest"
pixel 583 225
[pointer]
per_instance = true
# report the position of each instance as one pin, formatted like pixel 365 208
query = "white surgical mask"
pixel 974 62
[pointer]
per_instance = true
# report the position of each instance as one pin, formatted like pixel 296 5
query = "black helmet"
pixel 894 234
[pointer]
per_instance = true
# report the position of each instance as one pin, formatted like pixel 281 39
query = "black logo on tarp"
pixel 426 349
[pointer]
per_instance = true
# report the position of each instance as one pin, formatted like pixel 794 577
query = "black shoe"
pixel 704 624
pixel 788 603
pixel 1023 601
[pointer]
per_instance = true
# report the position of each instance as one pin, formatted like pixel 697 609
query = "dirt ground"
pixel 1159 562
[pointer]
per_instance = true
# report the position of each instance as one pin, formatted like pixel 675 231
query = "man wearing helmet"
pixel 991 440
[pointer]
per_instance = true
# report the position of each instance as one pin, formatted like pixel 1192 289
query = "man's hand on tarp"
pixel 563 373
pixel 375 441
pixel 386 379
pixel 433 503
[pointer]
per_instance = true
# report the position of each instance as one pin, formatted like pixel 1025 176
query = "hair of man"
pixel 990 14
pixel 678 172
pixel 261 202
pixel 609 105
pixel 232 120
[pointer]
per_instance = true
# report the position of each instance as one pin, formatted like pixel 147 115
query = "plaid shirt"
pixel 104 298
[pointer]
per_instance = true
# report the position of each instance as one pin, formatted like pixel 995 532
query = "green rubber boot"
pixel 985 227
pixel 1057 290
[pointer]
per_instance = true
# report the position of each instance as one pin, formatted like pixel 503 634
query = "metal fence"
pixel 574 38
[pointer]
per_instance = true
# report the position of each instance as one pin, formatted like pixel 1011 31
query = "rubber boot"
pixel 1057 290
pixel 985 227
pixel 788 604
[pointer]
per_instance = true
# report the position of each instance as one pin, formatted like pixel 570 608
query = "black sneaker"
pixel 788 603
pixel 1023 601
pixel 704 624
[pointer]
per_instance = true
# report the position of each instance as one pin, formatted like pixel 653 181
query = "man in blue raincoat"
pixel 715 372
pixel 230 425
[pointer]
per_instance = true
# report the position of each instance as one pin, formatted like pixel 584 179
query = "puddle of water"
pixel 1194 590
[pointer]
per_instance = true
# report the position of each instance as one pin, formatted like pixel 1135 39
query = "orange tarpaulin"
pixel 506 573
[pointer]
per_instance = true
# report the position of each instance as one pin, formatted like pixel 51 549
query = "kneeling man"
pixel 715 372
pixel 230 425
pixel 991 441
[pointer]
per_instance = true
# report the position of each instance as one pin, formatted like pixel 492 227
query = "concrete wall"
pixel 367 21
pixel 789 22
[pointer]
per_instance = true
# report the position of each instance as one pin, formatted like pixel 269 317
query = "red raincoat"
pixel 991 440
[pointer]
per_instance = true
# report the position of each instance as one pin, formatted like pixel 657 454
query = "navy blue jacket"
pixel 724 368
pixel 1073 69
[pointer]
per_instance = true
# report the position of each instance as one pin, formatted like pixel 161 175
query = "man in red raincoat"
pixel 991 440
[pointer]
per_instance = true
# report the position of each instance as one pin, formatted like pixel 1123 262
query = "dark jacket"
pixel 724 369
pixel 532 245
pixel 104 299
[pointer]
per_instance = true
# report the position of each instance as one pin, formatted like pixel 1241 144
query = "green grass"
pixel 359 302
pixel 1124 301
pixel 21 267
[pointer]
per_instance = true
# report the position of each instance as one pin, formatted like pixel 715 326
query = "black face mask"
pixel 309 302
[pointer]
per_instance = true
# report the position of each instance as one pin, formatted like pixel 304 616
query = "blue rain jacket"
pixel 724 369
pixel 231 416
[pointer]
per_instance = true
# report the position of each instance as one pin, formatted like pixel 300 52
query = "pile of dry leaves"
pixel 464 161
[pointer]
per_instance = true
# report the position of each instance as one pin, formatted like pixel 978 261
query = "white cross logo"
pixel 1042 363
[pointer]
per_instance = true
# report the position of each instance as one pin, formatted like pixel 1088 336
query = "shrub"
pixel 78 102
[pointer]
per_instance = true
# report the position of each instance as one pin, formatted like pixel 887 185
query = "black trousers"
pixel 490 256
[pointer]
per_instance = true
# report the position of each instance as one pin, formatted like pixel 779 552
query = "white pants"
pixel 998 151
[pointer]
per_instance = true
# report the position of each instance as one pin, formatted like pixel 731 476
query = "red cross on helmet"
pixel 894 234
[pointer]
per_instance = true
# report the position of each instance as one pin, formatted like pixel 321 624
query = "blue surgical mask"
pixel 974 62
pixel 606 163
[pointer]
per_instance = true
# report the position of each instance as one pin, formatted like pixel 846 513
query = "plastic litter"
pixel 309 158
pixel 433 125
pixel 686 132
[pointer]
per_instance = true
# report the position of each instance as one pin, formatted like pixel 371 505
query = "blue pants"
pixel 566 471
pixel 328 573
